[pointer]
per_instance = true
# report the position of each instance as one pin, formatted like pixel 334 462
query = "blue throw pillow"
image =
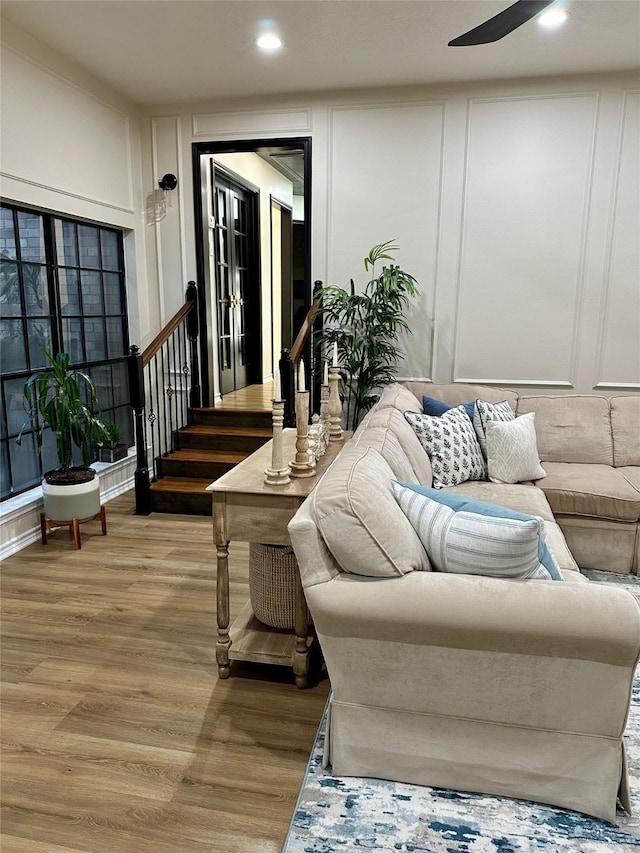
pixel 431 406
pixel 458 503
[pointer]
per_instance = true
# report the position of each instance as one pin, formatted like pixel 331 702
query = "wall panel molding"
pixel 171 240
pixel 378 168
pixel 85 198
pixel 524 201
pixel 294 121
pixel 550 383
pixel 619 257
pixel 70 117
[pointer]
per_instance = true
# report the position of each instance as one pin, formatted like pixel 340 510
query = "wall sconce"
pixel 168 182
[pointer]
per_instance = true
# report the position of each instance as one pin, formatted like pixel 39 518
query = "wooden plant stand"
pixel 48 525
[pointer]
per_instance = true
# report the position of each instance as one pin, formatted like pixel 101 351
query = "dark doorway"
pixel 237 282
pixel 292 157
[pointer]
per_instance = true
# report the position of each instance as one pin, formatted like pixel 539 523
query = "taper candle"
pixel 301 382
pixel 277 394
pixel 325 375
pixel 335 353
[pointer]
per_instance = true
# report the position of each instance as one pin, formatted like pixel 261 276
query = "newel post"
pixel 137 398
pixel 193 325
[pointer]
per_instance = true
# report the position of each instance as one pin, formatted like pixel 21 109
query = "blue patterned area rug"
pixel 341 815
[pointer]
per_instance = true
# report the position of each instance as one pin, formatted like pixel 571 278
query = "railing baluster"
pixel 167 369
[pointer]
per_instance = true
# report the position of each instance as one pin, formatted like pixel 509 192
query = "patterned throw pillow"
pixel 452 446
pixel 464 542
pixel 483 412
pixel 512 450
pixel 459 502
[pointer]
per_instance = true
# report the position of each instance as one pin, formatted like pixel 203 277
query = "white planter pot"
pixel 78 500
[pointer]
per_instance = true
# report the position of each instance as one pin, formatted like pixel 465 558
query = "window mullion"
pixel 53 284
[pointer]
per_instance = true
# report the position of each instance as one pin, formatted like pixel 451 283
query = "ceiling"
pixel 161 51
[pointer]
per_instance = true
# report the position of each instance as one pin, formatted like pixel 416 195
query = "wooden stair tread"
pixel 231 457
pixel 181 485
pixel 231 409
pixel 206 429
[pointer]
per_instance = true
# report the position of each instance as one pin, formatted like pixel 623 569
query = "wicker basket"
pixel 272 584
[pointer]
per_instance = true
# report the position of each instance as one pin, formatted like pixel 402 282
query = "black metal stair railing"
pixel 164 384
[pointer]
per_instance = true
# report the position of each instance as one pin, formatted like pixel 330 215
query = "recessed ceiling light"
pixel 553 17
pixel 269 41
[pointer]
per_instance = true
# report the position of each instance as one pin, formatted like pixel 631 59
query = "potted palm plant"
pixel 365 328
pixel 63 398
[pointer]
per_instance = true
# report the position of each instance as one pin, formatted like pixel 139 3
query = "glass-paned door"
pixel 237 285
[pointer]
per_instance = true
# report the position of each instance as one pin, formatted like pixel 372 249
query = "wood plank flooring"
pixel 117 736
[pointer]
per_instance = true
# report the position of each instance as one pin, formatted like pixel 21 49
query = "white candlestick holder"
pixel 278 473
pixel 334 406
pixel 303 465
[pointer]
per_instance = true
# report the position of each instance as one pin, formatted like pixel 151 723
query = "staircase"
pixel 217 440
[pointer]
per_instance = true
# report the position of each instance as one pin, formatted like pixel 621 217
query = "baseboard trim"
pixel 22 522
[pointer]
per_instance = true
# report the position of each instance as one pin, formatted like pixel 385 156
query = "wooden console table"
pixel 246 509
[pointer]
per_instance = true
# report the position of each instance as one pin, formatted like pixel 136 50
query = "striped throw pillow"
pixel 463 542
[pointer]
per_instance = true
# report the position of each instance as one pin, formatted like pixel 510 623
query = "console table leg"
pixel 222 600
pixel 301 653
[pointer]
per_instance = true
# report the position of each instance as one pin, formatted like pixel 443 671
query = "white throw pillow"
pixel 512 450
pixel 451 443
pixel 483 412
pixel 474 543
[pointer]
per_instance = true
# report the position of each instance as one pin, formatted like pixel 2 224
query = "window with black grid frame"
pixel 62 289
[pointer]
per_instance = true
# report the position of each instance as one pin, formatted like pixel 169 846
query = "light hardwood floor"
pixel 117 736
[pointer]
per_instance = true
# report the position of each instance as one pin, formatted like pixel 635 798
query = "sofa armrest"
pixel 543 655
pixel 532 617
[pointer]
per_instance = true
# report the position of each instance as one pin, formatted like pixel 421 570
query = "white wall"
pixel 516 206
pixel 71 145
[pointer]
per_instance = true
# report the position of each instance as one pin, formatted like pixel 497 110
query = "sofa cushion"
pixel 484 411
pixel 466 537
pixel 631 473
pixel 460 503
pixel 596 491
pixel 436 408
pixel 388 446
pixel 525 498
pixel 359 517
pixel 451 443
pixel 512 451
pixel 459 393
pixel 394 420
pixel 625 427
pixel 571 428
pixel 398 397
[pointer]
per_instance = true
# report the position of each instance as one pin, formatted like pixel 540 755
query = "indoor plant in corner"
pixel 54 400
pixel 113 450
pixel 365 327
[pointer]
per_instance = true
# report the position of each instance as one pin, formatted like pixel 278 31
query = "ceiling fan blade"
pixel 501 24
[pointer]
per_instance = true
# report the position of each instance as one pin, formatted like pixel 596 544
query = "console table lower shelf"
pixel 246 509
pixel 252 640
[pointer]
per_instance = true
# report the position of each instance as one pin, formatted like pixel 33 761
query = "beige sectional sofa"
pixel 503 686
pixel 590 450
